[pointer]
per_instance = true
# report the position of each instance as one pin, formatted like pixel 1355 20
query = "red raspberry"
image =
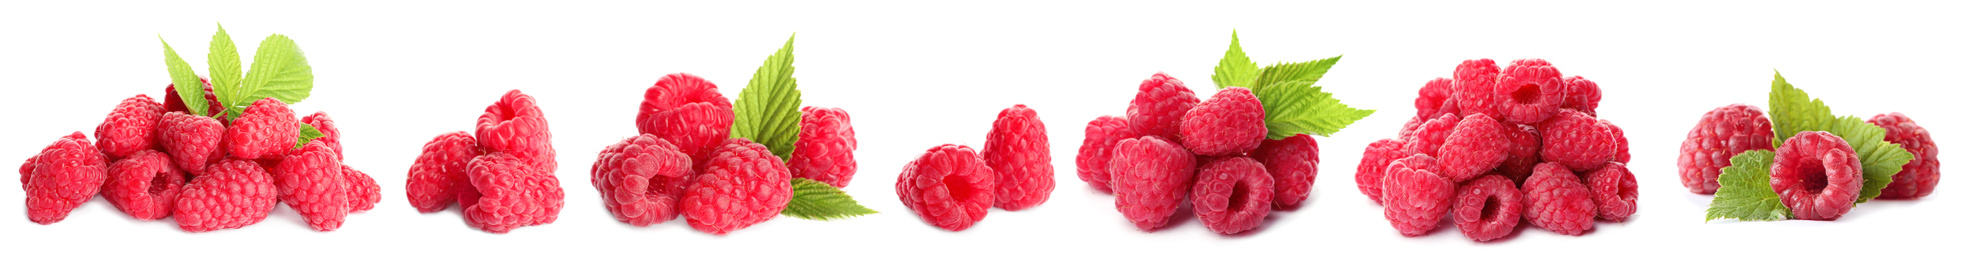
pixel 1474 147
pixel 233 193
pixel 1094 158
pixel 515 126
pixel 1436 98
pixel 509 193
pixel 641 179
pixel 131 127
pixel 191 140
pixel 1622 148
pixel 948 186
pixel 825 149
pixel 1412 124
pixel 1614 190
pixel 266 129
pixel 1150 176
pixel 330 136
pixel 1917 178
pixel 1488 207
pixel 144 185
pixel 1018 151
pixel 174 104
pixel 1232 194
pixel 1722 133
pixel 438 176
pixel 1416 197
pixel 311 182
pixel 1161 102
pixel 1371 167
pixel 64 175
pixel 1431 134
pixel 364 192
pixel 1228 123
pixel 1530 91
pixel 742 184
pixel 1582 95
pixel 1817 175
pixel 1524 145
pixel 687 111
pixel 1474 87
pixel 1292 164
pixel 1557 200
pixel 1575 140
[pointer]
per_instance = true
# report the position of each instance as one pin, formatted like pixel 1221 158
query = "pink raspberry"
pixel 131 127
pixel 1150 176
pixel 144 185
pixel 1488 208
pixel 642 179
pixel 63 176
pixel 1232 194
pixel 1529 91
pixel 1416 198
pixel 1722 133
pixel 687 111
pixel 231 194
pixel 1614 190
pixel 1431 134
pixel 1413 124
pixel 1918 177
pixel 1575 140
pixel 1162 100
pixel 825 148
pixel 949 187
pixel 1436 98
pixel 508 193
pixel 266 129
pixel 1292 164
pixel 1474 87
pixel 364 192
pixel 330 135
pixel 1557 201
pixel 1476 145
pixel 1094 158
pixel 192 141
pixel 1018 151
pixel 310 181
pixel 1622 148
pixel 1582 95
pixel 742 184
pixel 438 176
pixel 175 104
pixel 515 126
pixel 1228 123
pixel 1817 175
pixel 1524 145
pixel 1371 167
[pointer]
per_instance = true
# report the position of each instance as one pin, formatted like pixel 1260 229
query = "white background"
pixel 918 74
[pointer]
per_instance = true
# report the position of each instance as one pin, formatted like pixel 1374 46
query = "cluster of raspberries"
pixel 683 162
pixel 502 174
pixel 1499 145
pixel 155 160
pixel 1171 146
pixel 1816 174
pixel 951 186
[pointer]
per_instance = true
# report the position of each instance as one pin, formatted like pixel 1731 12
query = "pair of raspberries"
pixel 951 186
pixel 502 175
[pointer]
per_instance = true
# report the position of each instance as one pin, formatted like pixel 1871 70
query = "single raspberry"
pixel 1474 147
pixel 233 193
pixel 641 179
pixel 310 181
pixel 1435 97
pixel 1487 208
pixel 1557 201
pixel 130 128
pixel 1094 158
pixel 742 184
pixel 687 111
pixel 1524 145
pixel 515 126
pixel 439 174
pixel 1412 124
pixel 508 193
pixel 1530 91
pixel 1817 175
pixel 266 129
pixel 1232 194
pixel 1582 95
pixel 190 140
pixel 1918 177
pixel 330 135
pixel 144 185
pixel 1575 140
pixel 1018 151
pixel 949 187
pixel 1614 190
pixel 1292 164
pixel 1722 133
pixel 1474 87
pixel 825 149
pixel 1431 134
pixel 1228 123
pixel 1371 167
pixel 1150 176
pixel 1416 197
pixel 174 104
pixel 63 176
pixel 1622 148
pixel 364 192
pixel 1162 100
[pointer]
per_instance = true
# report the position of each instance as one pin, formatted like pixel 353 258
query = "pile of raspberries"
pixel 1816 174
pixel 1499 145
pixel 155 160
pixel 502 174
pixel 683 162
pixel 1170 147
pixel 951 186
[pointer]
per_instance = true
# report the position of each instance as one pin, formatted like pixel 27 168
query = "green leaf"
pixel 1290 109
pixel 767 111
pixel 1293 74
pixel 223 62
pixel 184 80
pixel 1745 193
pixel 308 133
pixel 1794 111
pixel 1235 68
pixel 1880 159
pixel 815 200
pixel 280 71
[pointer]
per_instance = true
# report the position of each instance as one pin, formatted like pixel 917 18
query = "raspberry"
pixel 438 176
pixel 1371 167
pixel 1530 91
pixel 1557 201
pixel 231 194
pixel 1094 158
pixel 1917 178
pixel 1475 146
pixel 1524 145
pixel 687 111
pixel 1614 190
pixel 1817 175
pixel 1162 100
pixel 1292 164
pixel 310 180
pixel 1018 151
pixel 742 184
pixel 131 127
pixel 1582 95
pixel 825 149
pixel 1722 133
pixel 515 126
pixel 1228 123
pixel 330 136
pixel 64 175
pixel 144 185
pixel 509 192
pixel 1150 176
pixel 1474 87
pixel 1232 194
pixel 174 104
pixel 1622 149
pixel 191 140
pixel 1487 208
pixel 1431 134
pixel 1412 124
pixel 1574 140
pixel 266 129
pixel 1416 197
pixel 948 186
pixel 364 192
pixel 641 179
pixel 1436 98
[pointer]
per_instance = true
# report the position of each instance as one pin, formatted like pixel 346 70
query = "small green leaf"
pixel 1745 193
pixel 1794 111
pixel 280 71
pixel 1294 74
pixel 1235 68
pixel 1880 159
pixel 1291 108
pixel 815 200
pixel 308 133
pixel 767 111
pixel 184 80
pixel 223 62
